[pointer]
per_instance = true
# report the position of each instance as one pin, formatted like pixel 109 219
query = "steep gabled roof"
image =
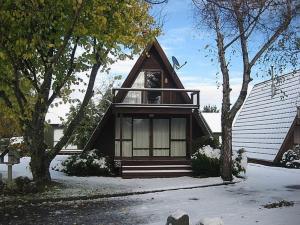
pixel 265 120
pixel 137 67
pixel 130 80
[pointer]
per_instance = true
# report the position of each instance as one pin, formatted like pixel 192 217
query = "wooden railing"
pixel 191 97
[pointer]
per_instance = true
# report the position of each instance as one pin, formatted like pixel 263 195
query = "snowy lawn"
pixel 238 204
pixel 90 186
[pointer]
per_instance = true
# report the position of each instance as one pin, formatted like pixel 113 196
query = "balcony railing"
pixel 162 97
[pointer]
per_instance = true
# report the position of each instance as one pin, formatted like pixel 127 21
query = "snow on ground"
pixel 89 186
pixel 238 204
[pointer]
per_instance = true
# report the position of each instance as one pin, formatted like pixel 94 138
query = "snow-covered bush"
pixel 239 160
pixel 91 163
pixel 205 141
pixel 206 161
pixel 291 158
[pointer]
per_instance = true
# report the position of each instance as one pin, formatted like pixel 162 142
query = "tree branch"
pixel 67 36
pixel 4 96
pixel 277 33
pixel 67 76
pixel 89 93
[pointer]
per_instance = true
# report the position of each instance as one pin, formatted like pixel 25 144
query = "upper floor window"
pixel 146 79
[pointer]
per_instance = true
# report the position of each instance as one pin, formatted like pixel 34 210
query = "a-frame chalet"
pixel 151 124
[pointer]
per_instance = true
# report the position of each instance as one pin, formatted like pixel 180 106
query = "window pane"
pixel 178 148
pixel 126 148
pixel 153 80
pixel 178 128
pixel 161 133
pixel 160 152
pixel 135 97
pixel 141 152
pixel 117 148
pixel 141 133
pixel 126 128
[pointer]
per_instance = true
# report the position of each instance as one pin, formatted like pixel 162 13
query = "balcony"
pixel 156 97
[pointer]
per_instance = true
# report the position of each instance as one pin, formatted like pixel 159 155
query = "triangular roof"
pixel 128 82
pixel 154 46
pixel 265 121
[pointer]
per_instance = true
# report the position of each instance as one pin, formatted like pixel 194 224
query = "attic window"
pixel 153 79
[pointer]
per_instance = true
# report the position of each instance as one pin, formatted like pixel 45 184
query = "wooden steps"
pixel 155 168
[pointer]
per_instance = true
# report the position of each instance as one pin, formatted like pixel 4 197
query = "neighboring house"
pixel 214 122
pixel 53 133
pixel 268 124
pixel 150 126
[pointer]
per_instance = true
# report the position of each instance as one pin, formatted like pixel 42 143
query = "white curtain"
pixel 178 132
pixel 117 148
pixel 141 137
pixel 135 97
pixel 126 128
pixel 160 137
pixel 178 128
pixel 126 134
pixel 126 148
pixel 178 148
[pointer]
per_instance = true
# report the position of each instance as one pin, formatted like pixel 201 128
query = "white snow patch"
pixel 211 221
pixel 177 214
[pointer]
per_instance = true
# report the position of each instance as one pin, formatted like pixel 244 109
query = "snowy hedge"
pixel 91 163
pixel 291 158
pixel 206 161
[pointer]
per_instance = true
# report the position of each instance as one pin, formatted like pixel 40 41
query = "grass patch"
pixel 280 204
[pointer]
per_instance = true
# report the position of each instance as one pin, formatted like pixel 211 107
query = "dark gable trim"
pixel 285 143
pixel 97 131
pixel 202 123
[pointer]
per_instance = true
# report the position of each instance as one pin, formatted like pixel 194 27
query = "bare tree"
pixel 249 28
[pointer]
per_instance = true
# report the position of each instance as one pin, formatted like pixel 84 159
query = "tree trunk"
pixel 39 166
pixel 226 151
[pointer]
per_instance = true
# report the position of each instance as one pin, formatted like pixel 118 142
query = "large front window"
pixel 150 137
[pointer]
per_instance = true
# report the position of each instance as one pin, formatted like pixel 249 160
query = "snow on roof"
pixel 264 121
pixel 214 121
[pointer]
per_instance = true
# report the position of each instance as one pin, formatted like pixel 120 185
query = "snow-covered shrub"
pixel 205 141
pixel 91 163
pixel 239 160
pixel 206 161
pixel 291 158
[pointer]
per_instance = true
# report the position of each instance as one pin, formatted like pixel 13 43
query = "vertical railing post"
pixel 114 95
pixel 121 134
pixel 198 99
